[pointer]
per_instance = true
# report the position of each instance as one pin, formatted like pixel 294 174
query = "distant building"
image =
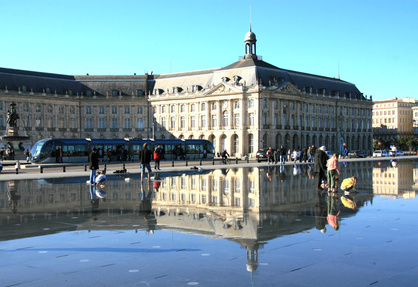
pixel 245 106
pixel 394 118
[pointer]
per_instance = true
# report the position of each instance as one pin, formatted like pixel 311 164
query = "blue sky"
pixel 371 43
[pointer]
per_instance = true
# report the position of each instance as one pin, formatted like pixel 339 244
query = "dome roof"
pixel 250 36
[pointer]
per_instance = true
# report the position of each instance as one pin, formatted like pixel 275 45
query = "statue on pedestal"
pixel 12 116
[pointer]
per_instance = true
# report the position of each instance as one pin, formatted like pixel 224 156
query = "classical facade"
pixel 60 106
pixel 242 107
pixel 252 104
pixel 394 118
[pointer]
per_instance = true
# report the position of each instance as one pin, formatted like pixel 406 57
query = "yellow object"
pixel 347 182
pixel 348 202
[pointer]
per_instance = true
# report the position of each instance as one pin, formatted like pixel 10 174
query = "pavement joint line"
pixel 56 170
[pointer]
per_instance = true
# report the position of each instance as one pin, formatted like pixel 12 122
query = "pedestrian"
pixel 27 155
pixel 332 171
pixel 345 152
pixel 269 155
pixel 282 155
pixel 309 154
pixel 94 165
pixel 349 183
pixel 145 158
pixel 157 157
pixel 276 156
pixel 305 154
pixel 320 166
pixel 313 151
pixel 108 155
pixel 295 155
pixel 205 153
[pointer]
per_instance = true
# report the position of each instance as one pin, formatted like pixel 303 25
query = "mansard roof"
pixel 38 82
pixel 13 79
pixel 267 75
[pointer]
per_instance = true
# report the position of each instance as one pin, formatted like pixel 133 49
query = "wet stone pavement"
pixel 254 226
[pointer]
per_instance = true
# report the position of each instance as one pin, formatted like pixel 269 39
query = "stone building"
pixel 252 104
pixel 61 106
pixel 394 118
pixel 245 106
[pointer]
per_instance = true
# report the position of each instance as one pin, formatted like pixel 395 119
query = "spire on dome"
pixel 250 47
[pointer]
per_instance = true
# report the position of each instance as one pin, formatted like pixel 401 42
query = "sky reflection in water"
pixel 249 226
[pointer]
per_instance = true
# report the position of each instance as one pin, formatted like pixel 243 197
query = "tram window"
pixel 80 150
pixel 193 149
pixel 46 150
pixel 67 150
pixel 169 148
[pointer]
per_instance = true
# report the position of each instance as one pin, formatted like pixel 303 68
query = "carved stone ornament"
pixel 288 89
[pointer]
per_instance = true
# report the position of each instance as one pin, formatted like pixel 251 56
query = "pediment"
pixel 223 88
pixel 288 88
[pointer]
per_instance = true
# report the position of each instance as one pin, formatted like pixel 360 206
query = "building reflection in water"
pixel 395 179
pixel 249 206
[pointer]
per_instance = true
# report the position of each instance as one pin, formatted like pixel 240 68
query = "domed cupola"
pixel 250 48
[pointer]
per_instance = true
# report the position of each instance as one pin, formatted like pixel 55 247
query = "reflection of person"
pixel 282 174
pixel 320 166
pixel 94 165
pixel 157 182
pixel 14 197
pixel 333 212
pixel 94 201
pixel 269 174
pixel 349 183
pixel 321 213
pixel 348 201
pixel 145 208
pixel 101 179
pixel 145 158
pixel 224 171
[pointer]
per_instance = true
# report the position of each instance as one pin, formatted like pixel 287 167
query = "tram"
pixel 77 150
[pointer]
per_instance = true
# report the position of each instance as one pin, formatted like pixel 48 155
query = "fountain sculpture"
pixel 13 130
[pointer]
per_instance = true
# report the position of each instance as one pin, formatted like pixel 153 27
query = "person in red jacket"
pixel 157 157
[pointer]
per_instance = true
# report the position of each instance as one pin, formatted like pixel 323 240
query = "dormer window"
pixel 89 93
pixel 236 79
pixel 115 93
pixel 225 79
pixel 24 88
pixel 139 92
pixel 196 88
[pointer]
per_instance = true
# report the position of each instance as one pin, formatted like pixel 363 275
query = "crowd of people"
pixel 282 155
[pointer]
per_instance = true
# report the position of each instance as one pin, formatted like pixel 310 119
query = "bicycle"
pixel 225 161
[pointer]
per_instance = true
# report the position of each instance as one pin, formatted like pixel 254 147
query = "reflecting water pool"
pixel 260 226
